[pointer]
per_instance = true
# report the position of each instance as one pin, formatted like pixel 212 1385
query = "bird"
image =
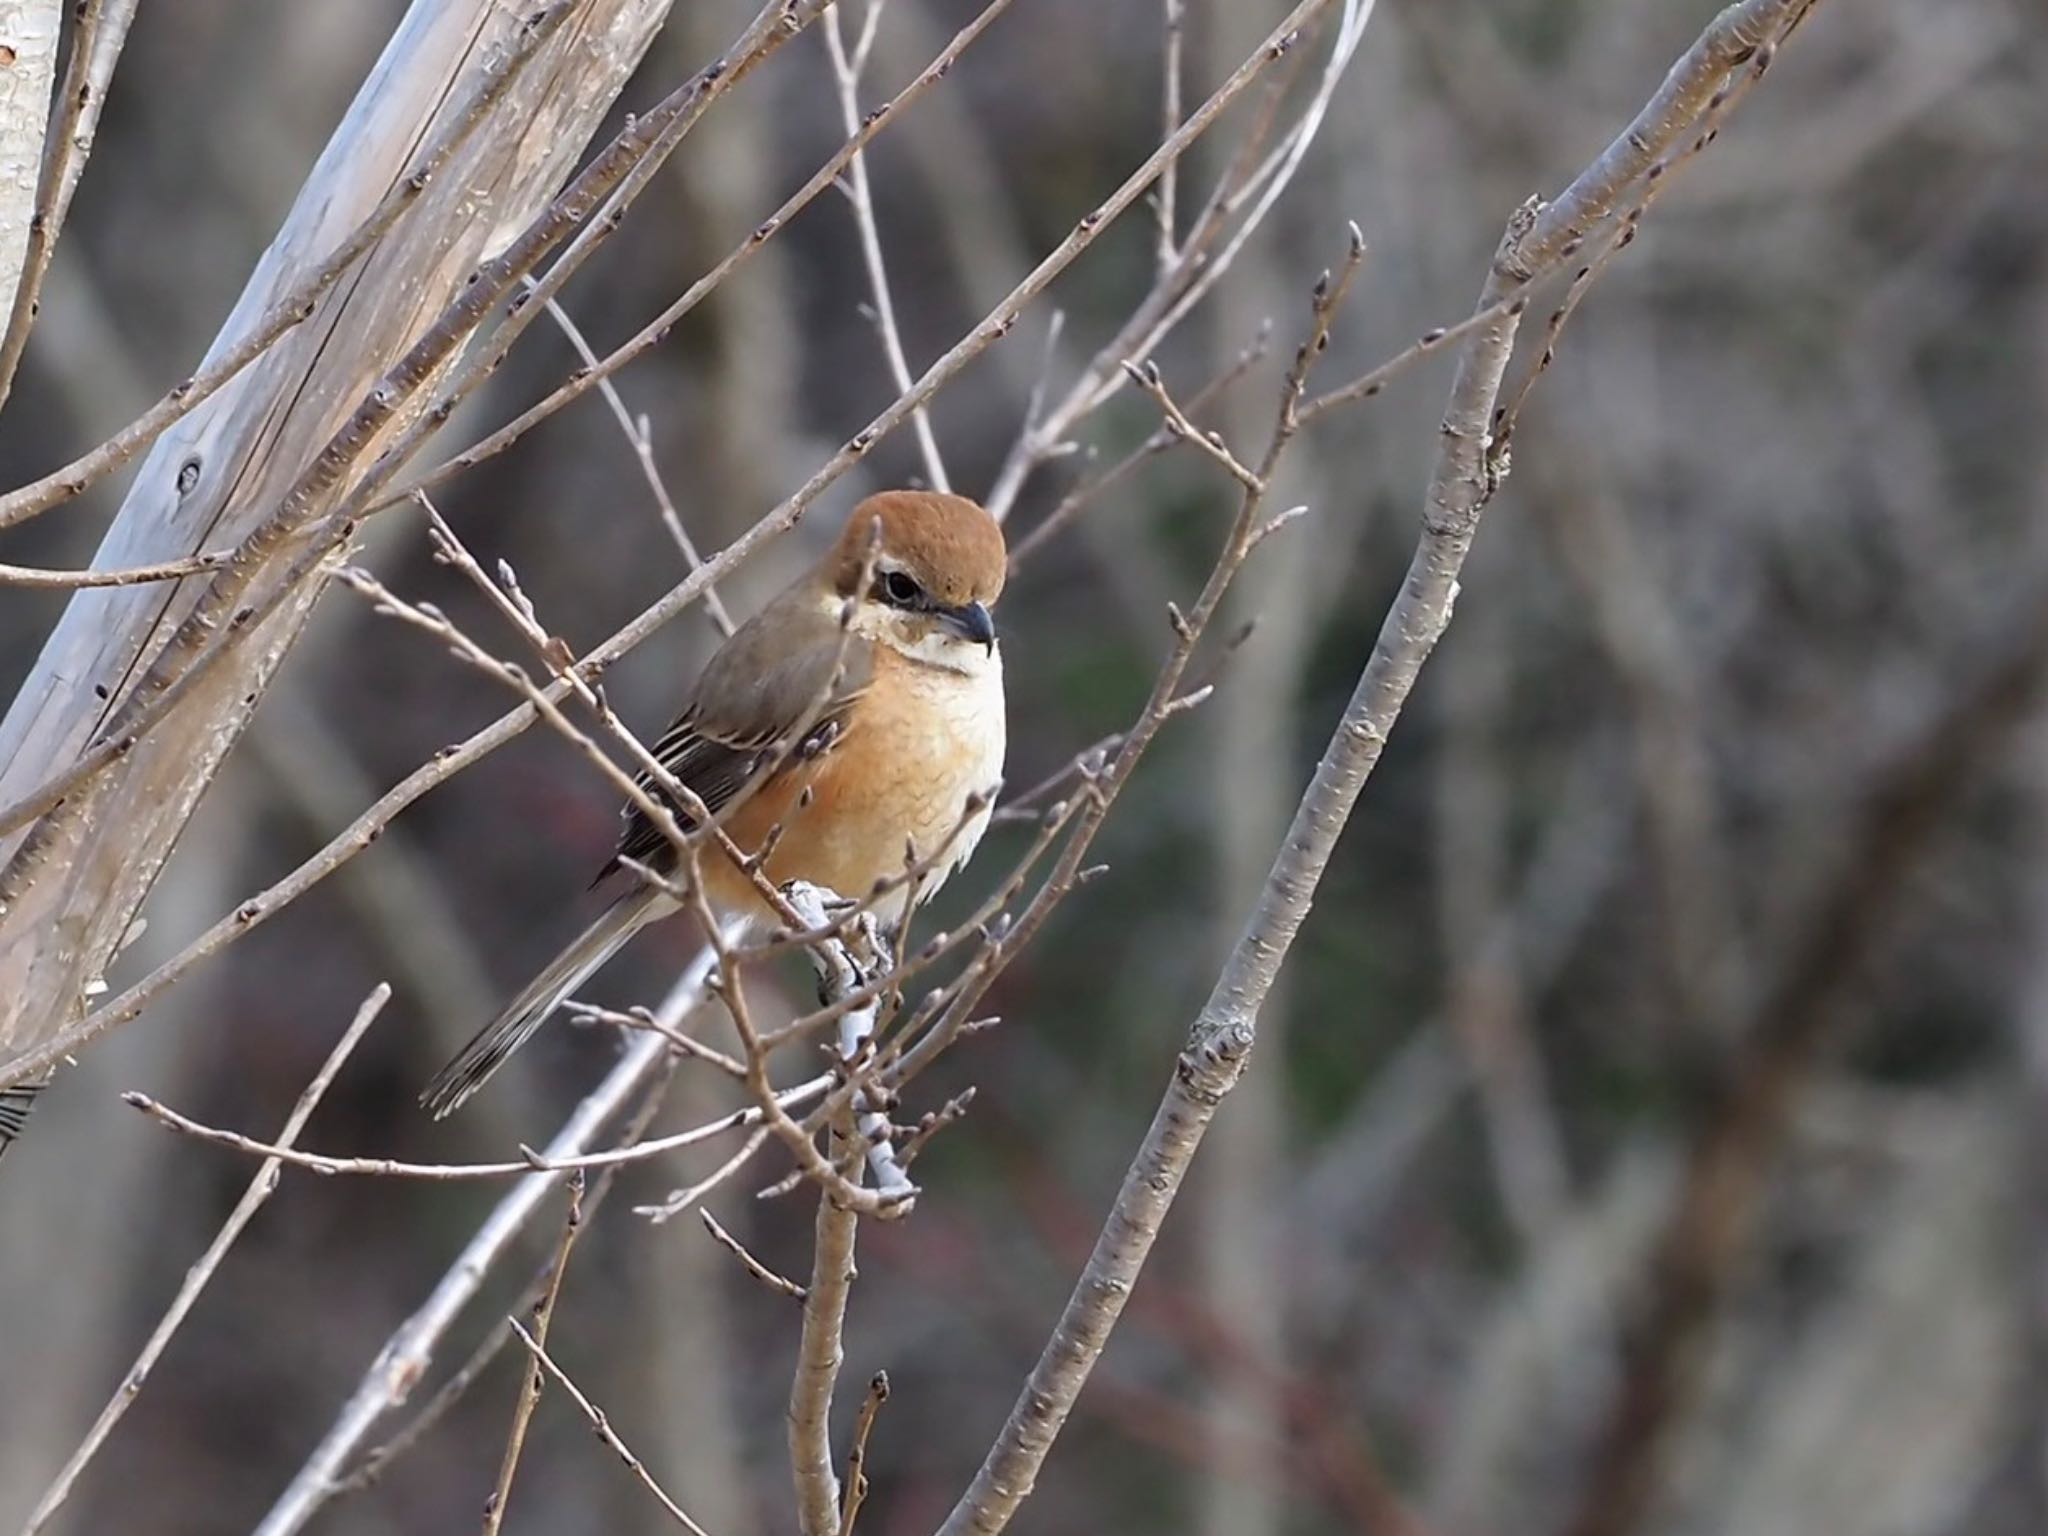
pixel 867 701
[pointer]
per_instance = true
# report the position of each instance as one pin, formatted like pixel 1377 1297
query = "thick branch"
pixel 1221 1040
pixel 821 1354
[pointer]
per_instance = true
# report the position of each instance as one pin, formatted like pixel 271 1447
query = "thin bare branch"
pixel 129 576
pixel 37 122
pixel 1376 379
pixel 857 1458
pixel 88 102
pixel 1147 377
pixel 1089 490
pixel 202 1272
pixel 846 73
pixel 1198 264
pixel 1223 1034
pixel 605 1432
pixel 379 1458
pixel 782 1285
pixel 532 1162
pixel 659 328
pixel 405 1358
pixel 530 1386
pixel 641 441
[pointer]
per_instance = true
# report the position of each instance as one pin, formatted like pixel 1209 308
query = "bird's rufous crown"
pixel 947 544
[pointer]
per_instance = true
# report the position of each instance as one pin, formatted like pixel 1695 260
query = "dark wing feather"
pixel 15 1103
pixel 775 674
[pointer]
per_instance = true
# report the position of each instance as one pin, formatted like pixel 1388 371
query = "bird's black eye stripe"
pixel 898 588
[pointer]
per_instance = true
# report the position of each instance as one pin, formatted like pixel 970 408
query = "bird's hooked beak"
pixel 971 621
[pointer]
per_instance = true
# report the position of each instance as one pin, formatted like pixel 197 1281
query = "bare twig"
pixel 128 576
pixel 1087 491
pixel 1621 232
pixel 201 1273
pixel 782 1285
pixel 1198 264
pixel 679 1200
pixel 530 1386
pixel 857 1458
pixel 641 441
pixel 379 1458
pixel 846 73
pixel 87 103
pixel 643 1018
pixel 1147 377
pixel 533 1162
pixel 936 1121
pixel 406 1356
pixel 605 1432
pixel 1376 379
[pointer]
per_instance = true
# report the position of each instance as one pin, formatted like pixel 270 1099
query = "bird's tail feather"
pixel 476 1061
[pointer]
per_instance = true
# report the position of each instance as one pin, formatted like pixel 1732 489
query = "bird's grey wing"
pixel 786 679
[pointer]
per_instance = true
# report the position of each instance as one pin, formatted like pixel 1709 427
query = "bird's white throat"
pixel 927 644
pixel 948 652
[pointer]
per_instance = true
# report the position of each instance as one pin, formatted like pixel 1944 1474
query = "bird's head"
pixel 937 571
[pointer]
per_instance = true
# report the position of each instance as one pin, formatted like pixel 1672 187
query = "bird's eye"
pixel 900 589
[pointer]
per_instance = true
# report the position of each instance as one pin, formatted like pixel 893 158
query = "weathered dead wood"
pixel 71 889
pixel 28 74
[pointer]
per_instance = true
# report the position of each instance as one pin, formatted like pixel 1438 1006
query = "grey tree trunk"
pixel 73 886
pixel 28 74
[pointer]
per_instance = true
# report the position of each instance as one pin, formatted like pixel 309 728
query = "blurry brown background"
pixel 1776 508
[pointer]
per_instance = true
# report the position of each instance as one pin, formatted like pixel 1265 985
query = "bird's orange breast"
pixel 919 742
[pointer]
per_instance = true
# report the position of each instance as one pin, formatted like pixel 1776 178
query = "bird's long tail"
pixel 476 1061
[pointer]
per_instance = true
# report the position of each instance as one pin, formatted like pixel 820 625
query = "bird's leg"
pixel 846 964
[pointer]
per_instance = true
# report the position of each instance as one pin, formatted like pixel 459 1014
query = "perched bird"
pixel 869 738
